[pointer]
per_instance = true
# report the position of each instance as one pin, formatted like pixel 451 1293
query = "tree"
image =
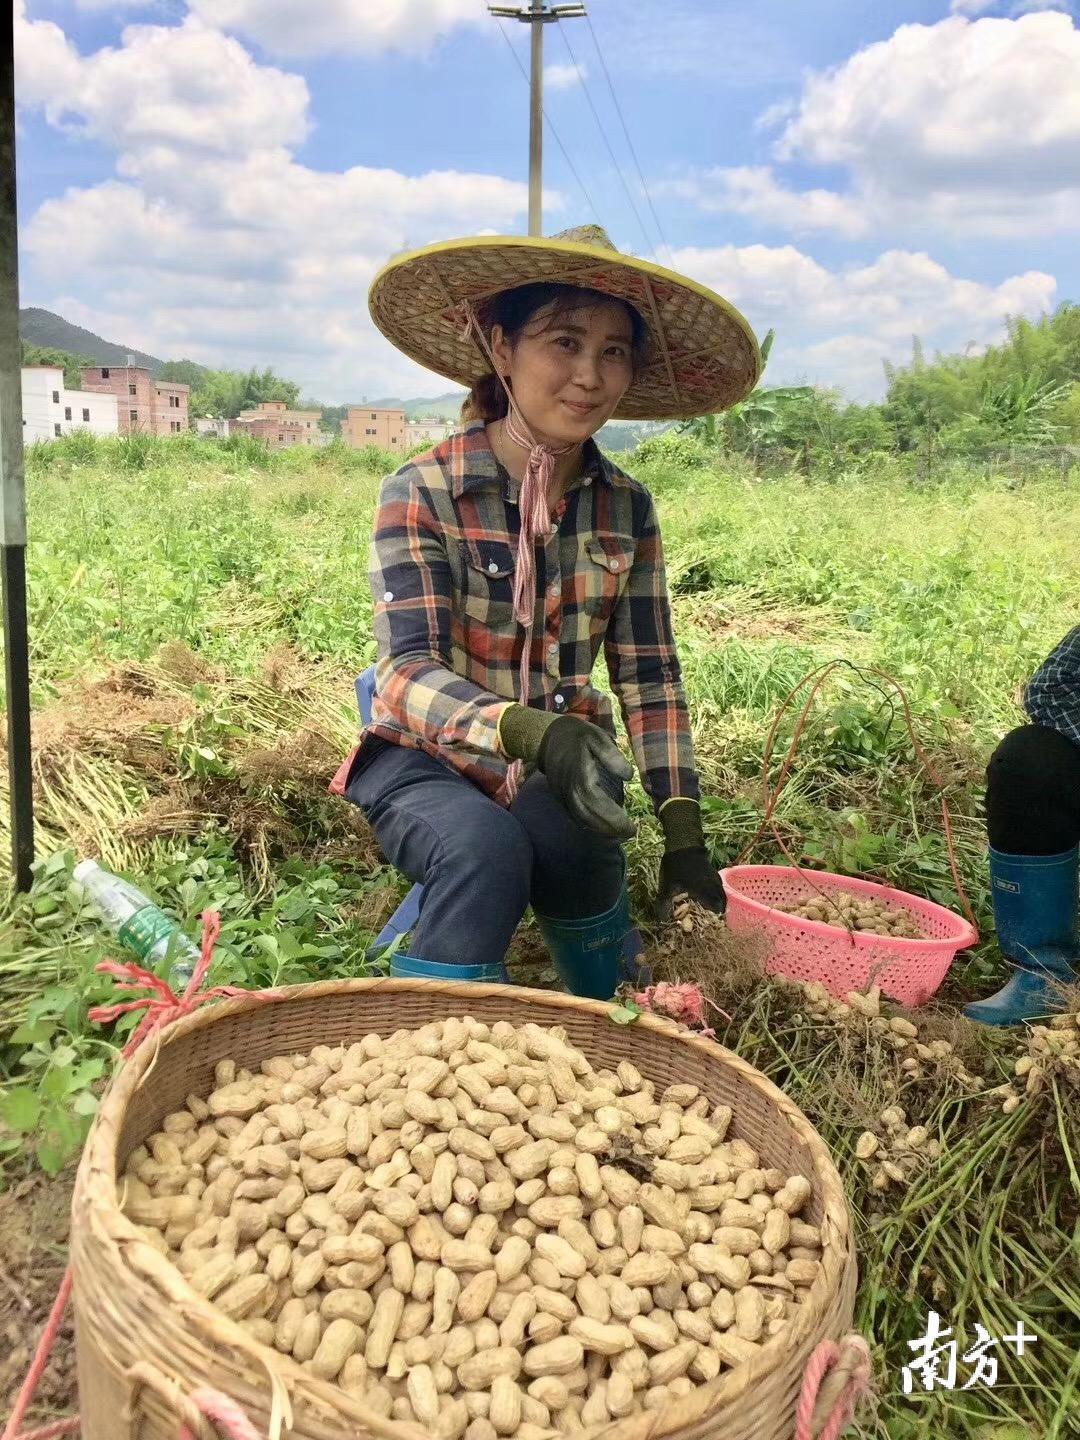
pixel 72 365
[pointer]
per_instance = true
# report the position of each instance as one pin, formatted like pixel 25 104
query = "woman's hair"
pixel 512 310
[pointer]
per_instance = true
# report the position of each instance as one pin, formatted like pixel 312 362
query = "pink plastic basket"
pixel 909 971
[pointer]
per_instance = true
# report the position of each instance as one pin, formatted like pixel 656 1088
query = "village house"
pixel 145 406
pixel 364 426
pixel 50 411
pixel 280 427
pixel 426 432
pixel 275 431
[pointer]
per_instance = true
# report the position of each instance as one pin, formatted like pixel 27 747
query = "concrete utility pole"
pixel 537 14
pixel 12 493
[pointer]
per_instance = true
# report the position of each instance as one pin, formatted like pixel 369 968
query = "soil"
pixel 34 1217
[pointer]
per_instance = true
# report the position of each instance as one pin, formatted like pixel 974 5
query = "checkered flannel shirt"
pixel 1053 694
pixel 442 562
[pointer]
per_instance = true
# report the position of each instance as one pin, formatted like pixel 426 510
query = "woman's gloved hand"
pixel 686 868
pixel 583 766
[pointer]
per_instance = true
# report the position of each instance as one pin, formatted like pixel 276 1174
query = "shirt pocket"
pixel 488 594
pixel 604 563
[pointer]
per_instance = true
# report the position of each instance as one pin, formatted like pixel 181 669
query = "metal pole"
pixel 536 119
pixel 12 486
pixel 537 15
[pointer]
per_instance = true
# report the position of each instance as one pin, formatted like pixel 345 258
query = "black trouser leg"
pixel 1033 793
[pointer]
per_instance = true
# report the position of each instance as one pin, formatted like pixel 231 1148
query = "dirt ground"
pixel 33 1256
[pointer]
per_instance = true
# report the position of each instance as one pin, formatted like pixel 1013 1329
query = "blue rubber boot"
pixel 408 967
pixel 1035 912
pixel 596 955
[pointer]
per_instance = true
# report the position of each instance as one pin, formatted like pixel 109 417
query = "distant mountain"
pixel 42 327
pixel 437 407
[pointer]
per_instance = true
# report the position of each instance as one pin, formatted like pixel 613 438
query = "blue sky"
pixel 220 179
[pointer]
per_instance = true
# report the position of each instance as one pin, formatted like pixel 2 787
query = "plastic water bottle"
pixel 137 922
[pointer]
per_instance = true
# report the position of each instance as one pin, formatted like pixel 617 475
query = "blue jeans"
pixel 480 864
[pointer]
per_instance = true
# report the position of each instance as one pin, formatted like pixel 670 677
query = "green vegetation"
pixel 197 615
pixel 1023 393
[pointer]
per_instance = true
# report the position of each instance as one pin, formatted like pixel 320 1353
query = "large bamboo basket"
pixel 146 1340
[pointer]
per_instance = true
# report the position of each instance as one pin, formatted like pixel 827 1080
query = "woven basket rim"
pixel 96 1193
pixel 967 935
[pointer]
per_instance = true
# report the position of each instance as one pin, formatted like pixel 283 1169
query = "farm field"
pixel 197 616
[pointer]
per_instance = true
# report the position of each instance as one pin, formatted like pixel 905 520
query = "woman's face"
pixel 568 374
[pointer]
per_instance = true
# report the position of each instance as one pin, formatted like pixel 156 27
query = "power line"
pixel 630 143
pixel 603 135
pixel 547 120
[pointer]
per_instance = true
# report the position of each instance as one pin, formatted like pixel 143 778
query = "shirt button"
pixel 493 569
pixel 587 480
pixel 614 564
pixel 388 596
pixel 559 700
pixel 553 648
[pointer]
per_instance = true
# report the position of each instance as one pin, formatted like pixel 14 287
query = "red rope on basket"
pixel 223 1412
pixel 855 1353
pixel 40 1360
pixel 162 1008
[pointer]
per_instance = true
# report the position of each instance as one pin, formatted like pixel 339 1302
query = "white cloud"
pixel 836 326
pixel 333 27
pixel 971 7
pixel 754 190
pixel 966 124
pixel 213 241
pixel 563 77
pixel 187 86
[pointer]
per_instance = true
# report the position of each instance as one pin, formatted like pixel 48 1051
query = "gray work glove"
pixel 583 766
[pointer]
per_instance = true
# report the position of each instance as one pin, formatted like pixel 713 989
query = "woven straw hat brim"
pixel 701 354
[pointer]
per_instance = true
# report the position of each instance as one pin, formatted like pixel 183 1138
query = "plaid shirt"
pixel 442 560
pixel 1053 695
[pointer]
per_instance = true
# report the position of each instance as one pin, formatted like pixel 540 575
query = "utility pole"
pixel 12 491
pixel 537 14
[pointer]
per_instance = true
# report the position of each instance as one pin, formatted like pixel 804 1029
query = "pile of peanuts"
pixel 856 912
pixel 1052 1056
pixel 469 1228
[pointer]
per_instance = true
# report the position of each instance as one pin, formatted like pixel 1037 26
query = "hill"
pixel 53 332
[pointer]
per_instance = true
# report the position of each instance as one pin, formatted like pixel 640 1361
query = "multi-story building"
pixel 277 431
pixel 50 411
pixel 303 424
pixel 145 406
pixel 364 426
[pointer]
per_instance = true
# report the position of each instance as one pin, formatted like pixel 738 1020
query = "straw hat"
pixel 700 355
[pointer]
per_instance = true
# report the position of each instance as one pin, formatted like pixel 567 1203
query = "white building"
pixel 426 432
pixel 209 425
pixel 50 411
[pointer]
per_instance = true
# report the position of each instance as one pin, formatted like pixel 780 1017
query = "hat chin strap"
pixel 534 521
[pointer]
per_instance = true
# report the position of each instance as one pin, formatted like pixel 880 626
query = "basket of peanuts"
pixel 844 933
pixel 432 1211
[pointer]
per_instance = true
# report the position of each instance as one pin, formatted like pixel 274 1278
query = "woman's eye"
pixel 566 340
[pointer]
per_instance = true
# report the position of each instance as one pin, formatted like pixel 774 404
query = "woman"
pixel 1033 825
pixel 502 560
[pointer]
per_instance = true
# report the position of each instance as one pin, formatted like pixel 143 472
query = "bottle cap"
pixel 85 868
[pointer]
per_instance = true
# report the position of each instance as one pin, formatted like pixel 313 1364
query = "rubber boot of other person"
pixel 1033 825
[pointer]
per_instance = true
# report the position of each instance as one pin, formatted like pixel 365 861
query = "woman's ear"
pixel 500 349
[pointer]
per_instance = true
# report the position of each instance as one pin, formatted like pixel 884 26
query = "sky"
pixel 220 180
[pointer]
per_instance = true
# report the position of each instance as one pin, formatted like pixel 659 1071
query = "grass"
pixel 197 615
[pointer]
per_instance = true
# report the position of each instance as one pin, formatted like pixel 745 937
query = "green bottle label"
pixel 146 928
